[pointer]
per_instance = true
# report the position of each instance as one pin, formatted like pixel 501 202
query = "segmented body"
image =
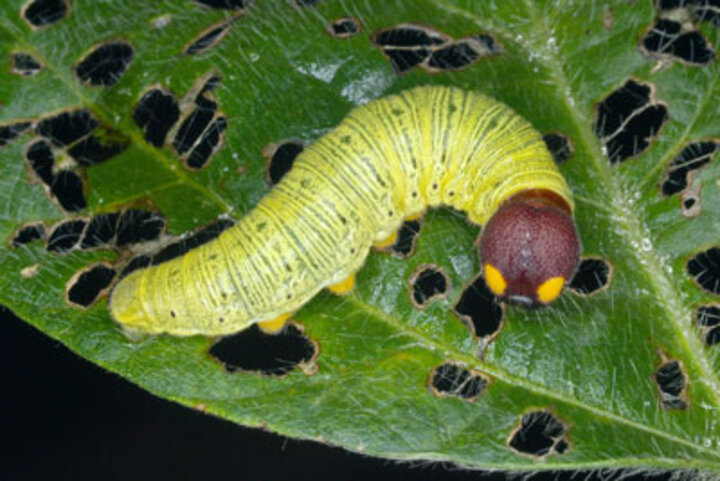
pixel 387 160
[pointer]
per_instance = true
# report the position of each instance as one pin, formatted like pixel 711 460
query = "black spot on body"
pixel 156 113
pixel 270 354
pixel 208 144
pixel 225 4
pixel 40 13
pixel 407 238
pixel 67 127
pixel 105 64
pixel 559 146
pixel 135 225
pixel 478 308
pixel 427 283
pixel 282 159
pixel 344 27
pixel 539 434
pixel 68 188
pixel 25 64
pixel 693 157
pixel 65 235
pixel 172 314
pixel 28 233
pixel 705 269
pixel 450 379
pixel 671 383
pixel 89 284
pixel 11 131
pixel 591 275
pixel 100 231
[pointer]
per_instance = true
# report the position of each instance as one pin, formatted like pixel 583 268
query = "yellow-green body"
pixel 387 160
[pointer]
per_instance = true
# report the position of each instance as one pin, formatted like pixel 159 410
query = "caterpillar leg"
pixel 274 326
pixel 387 242
pixel 344 287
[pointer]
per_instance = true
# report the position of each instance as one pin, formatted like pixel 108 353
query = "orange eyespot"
pixel 550 289
pixel 495 281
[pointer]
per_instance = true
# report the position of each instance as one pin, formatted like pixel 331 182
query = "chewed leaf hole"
pixel 25 64
pixel 101 231
pixel 407 238
pixel 65 236
pixel 155 113
pixel 67 127
pixel 28 233
pixel 479 309
pixel 559 146
pixel 693 157
pixel 208 145
pixel 104 64
pixel 88 285
pixel 9 132
pixel 408 45
pixel 668 38
pixel 180 247
pixel 628 119
pixel 306 3
pixel 39 13
pixel 671 382
pixel 592 275
pixel 136 225
pixel 225 4
pixel 539 434
pixel 426 283
pixel 69 190
pixel 270 354
pixel 344 27
pixel 707 320
pixel 452 380
pixel 281 157
pixel 208 38
pixel 705 269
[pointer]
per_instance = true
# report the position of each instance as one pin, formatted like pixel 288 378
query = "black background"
pixel 65 418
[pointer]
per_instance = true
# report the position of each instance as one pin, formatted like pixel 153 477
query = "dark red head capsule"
pixel 529 248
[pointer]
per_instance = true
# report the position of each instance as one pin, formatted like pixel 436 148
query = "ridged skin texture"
pixel 387 160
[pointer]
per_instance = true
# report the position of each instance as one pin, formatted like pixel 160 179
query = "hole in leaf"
pixel 281 158
pixel 463 52
pixel 28 233
pixel 671 382
pixel 407 238
pixel 156 113
pixel 478 308
pixel 68 188
pixel 39 13
pixel 194 125
pixel 135 225
pixel 707 319
pixel 592 274
pixel 67 127
pixel 452 380
pixel 426 283
pixel 65 236
pixel 10 132
pixel 270 354
pixel 208 145
pixel 344 27
pixel 707 11
pixel 705 269
pixel 87 285
pixel 225 4
pixel 98 148
pixel 694 156
pixel 136 263
pixel 409 36
pixel 559 146
pixel 540 433
pixel 100 231
pixel 307 3
pixel 104 64
pixel 628 119
pixel 25 64
pixel 41 160
pixel 671 39
pixel 208 38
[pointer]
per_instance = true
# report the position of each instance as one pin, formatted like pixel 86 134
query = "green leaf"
pixel 590 361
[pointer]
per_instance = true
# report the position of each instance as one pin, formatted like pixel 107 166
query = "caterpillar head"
pixel 529 248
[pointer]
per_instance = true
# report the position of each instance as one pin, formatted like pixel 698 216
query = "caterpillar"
pixel 387 161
